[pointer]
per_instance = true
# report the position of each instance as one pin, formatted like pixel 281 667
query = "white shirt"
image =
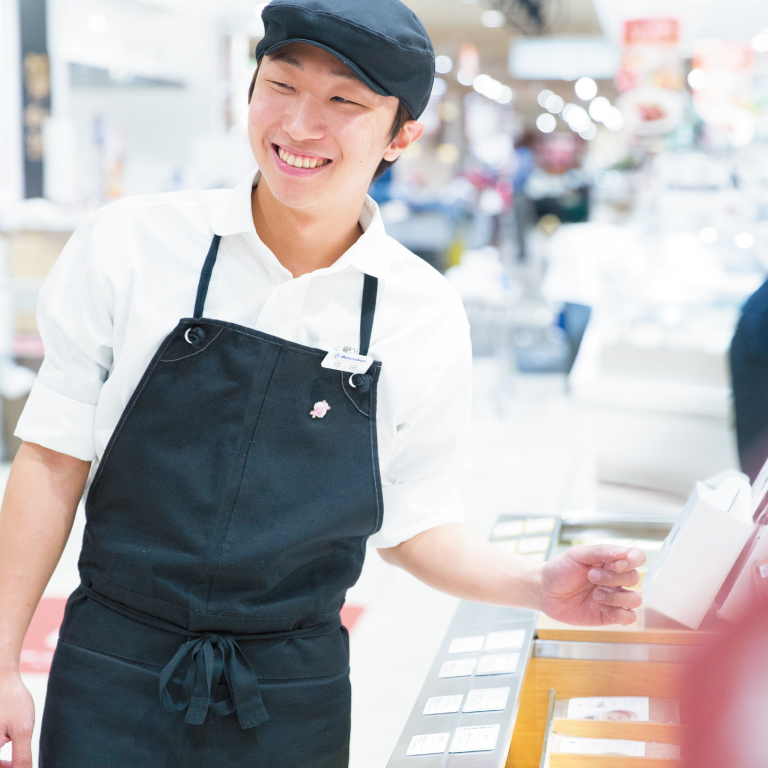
pixel 130 272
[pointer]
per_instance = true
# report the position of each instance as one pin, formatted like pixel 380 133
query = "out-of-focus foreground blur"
pixel 593 180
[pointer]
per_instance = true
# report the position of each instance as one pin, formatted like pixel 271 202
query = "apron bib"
pixel 224 525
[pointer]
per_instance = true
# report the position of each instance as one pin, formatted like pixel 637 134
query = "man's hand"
pixel 17 718
pixel 586 585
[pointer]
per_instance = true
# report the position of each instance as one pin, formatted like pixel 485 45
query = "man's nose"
pixel 305 120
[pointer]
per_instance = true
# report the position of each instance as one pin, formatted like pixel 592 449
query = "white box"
pixel 701 549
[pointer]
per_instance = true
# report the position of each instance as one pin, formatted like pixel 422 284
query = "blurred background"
pixel 593 180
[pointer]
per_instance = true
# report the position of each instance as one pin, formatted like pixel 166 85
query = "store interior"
pixel 593 181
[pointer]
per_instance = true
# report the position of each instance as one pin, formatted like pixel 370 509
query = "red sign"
pixel 659 30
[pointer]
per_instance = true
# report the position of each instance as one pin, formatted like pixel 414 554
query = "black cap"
pixel 381 41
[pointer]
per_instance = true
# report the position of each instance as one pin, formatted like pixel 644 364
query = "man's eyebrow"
pixel 288 59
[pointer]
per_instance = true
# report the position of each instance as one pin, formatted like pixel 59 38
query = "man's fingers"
pixel 612 615
pixel 21 740
pixel 613 579
pixel 618 598
pixel 608 556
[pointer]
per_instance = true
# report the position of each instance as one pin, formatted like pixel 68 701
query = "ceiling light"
pixel 578 119
pixel 465 77
pixel 744 240
pixel 546 123
pixel 697 79
pixel 554 104
pixel 439 87
pixel 506 95
pixel 589 132
pixel 586 88
pixel 543 96
pixel 613 119
pixel 599 108
pixel 443 65
pixel 493 19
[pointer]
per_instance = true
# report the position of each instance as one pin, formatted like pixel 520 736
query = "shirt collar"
pixel 368 254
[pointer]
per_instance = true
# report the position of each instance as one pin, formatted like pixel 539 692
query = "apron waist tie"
pixel 207 658
pixel 200 663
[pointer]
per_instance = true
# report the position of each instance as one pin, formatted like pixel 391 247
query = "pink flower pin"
pixel 320 409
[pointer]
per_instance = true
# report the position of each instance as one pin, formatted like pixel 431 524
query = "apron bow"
pixel 207 658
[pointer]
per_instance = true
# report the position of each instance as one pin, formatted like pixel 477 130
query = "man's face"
pixel 317 132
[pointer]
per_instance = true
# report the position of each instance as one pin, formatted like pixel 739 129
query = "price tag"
pixel 443 705
pixel 458 668
pixel 508 528
pixel 475 738
pixel 572 745
pixel 348 362
pixel 500 641
pixel 467 644
pixel 498 664
pixel 428 744
pixel 487 700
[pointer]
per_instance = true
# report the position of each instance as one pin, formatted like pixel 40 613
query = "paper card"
pixel 348 362
pixel 498 664
pixel 500 641
pixel 621 709
pixel 537 544
pixel 443 705
pixel 428 744
pixel 540 524
pixel 475 738
pixel 510 528
pixel 510 546
pixel 572 745
pixel 458 668
pixel 467 644
pixel 487 700
pixel 763 569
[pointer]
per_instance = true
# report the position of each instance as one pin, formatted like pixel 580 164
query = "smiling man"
pixel 263 383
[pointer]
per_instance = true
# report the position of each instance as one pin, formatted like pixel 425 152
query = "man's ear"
pixel 410 133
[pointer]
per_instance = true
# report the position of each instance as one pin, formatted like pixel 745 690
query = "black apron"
pixel 225 523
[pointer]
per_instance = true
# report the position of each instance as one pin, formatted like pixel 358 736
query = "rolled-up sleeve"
pixel 75 321
pixel 431 442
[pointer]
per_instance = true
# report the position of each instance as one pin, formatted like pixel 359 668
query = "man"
pixel 246 453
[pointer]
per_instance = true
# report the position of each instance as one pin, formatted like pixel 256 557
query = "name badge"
pixel 348 362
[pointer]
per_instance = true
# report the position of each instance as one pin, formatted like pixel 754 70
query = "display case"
pixel 474 710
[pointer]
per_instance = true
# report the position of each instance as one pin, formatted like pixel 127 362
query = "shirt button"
pixel 287 292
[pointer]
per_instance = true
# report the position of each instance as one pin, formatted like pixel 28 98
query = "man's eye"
pixel 280 85
pixel 342 100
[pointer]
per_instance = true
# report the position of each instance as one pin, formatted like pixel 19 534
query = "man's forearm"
pixel 41 498
pixel 454 559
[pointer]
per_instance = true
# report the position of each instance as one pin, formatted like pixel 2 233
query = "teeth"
pixel 300 162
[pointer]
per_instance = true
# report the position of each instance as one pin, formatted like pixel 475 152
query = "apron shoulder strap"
pixel 370 289
pixel 205 277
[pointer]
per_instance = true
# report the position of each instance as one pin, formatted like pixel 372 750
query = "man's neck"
pixel 304 241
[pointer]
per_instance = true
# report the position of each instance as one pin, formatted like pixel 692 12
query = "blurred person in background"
pixel 749 377
pixel 246 453
pixel 725 701
pixel 524 207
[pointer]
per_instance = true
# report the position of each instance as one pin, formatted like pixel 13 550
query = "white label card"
pixel 458 668
pixel 467 644
pixel 498 664
pixel 510 528
pixel 443 705
pixel 620 709
pixel 500 641
pixel 540 524
pixel 487 700
pixel 537 544
pixel 764 571
pixel 348 362
pixel 475 738
pixel 572 745
pixel 428 744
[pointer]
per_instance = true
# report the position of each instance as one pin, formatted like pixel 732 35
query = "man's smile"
pixel 296 160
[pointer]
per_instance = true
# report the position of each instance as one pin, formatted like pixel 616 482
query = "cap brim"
pixel 374 86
